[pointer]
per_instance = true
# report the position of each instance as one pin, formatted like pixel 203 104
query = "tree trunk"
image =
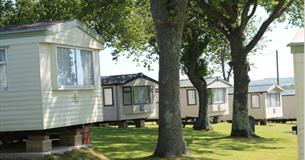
pixel 240 121
pixel 169 18
pixel 202 122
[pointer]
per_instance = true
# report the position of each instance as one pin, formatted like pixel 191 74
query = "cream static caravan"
pixel 49 76
pixel 129 97
pixel 189 101
pixel 264 102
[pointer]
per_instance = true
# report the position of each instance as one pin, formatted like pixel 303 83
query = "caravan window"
pixel 108 96
pixel 191 96
pixel 75 67
pixel 255 101
pixel 127 96
pixel 273 100
pixel 3 69
pixel 217 96
pixel 141 95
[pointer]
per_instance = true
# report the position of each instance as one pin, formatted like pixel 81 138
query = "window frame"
pixel 259 100
pixel 212 96
pixel 58 85
pixel 6 64
pixel 149 96
pixel 187 97
pixel 269 100
pixel 112 98
pixel 157 96
pixel 131 97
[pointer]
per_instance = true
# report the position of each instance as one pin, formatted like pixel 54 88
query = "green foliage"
pixel 126 25
pixel 294 14
pixel 6 12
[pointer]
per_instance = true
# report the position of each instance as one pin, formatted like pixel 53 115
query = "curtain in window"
pixel 108 97
pixel 274 100
pixel 141 95
pixel 66 66
pixel 255 101
pixel 218 95
pixel 191 97
pixel 87 66
pixel 3 70
pixel 3 76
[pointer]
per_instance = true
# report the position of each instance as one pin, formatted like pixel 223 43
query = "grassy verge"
pixel 276 143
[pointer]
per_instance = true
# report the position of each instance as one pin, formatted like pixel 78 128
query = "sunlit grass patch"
pixel 276 143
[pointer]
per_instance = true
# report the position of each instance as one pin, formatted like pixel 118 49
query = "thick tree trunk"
pixel 240 122
pixel 169 19
pixel 202 122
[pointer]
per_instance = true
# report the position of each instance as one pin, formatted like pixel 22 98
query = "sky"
pixel 264 63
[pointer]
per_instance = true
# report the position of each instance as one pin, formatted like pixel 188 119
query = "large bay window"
pixel 273 100
pixel 218 96
pixel 141 95
pixel 75 67
pixel 136 95
pixel 3 69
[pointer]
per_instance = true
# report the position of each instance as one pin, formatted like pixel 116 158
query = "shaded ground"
pixel 81 154
pixel 277 143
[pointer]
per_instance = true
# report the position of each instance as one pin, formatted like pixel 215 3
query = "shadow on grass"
pixel 139 143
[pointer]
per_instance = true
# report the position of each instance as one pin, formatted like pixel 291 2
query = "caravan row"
pixel 50 78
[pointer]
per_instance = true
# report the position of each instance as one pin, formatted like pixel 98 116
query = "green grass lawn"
pixel 276 143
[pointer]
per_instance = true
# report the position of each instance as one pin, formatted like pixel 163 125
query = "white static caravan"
pixel 189 100
pixel 49 76
pixel 288 96
pixel 297 49
pixel 218 101
pixel 128 97
pixel 264 102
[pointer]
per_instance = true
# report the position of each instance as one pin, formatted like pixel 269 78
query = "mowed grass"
pixel 276 143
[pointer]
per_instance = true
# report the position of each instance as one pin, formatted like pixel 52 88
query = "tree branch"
pixel 215 14
pixel 279 9
pixel 229 74
pixel 244 16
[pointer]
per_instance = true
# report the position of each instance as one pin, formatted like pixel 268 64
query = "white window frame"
pixel 269 100
pixel 5 63
pixel 255 107
pixel 71 86
pixel 187 97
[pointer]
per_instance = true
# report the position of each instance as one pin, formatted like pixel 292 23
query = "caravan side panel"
pixel 20 104
pixel 68 106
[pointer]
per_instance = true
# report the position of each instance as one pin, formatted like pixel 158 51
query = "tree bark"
pixel 168 19
pixel 202 122
pixel 240 121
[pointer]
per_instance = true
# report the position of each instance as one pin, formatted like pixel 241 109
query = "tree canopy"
pixel 232 19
